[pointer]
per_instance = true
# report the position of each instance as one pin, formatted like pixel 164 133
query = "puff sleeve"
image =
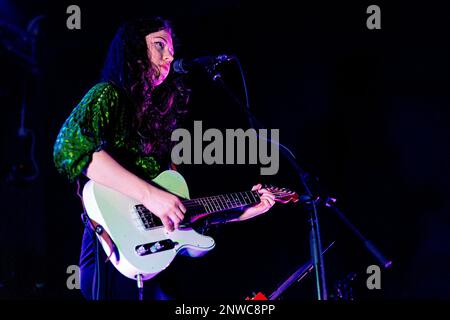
pixel 85 131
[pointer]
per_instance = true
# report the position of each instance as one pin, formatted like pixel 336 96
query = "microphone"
pixel 187 65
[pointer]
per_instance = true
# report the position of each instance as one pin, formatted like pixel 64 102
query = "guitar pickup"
pixel 155 247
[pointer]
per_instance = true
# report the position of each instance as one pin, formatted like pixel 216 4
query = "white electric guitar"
pixel 135 240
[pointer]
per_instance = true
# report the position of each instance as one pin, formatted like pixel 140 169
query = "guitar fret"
pixel 230 202
pixel 217 200
pixel 200 204
pixel 216 203
pixel 246 198
pixel 238 201
pixel 256 196
pixel 195 201
pixel 211 209
pixel 233 202
pixel 253 196
pixel 249 199
pixel 210 205
pixel 241 203
pixel 224 203
pixel 242 198
pixel 206 205
pixel 227 201
pixel 211 199
pixel 221 202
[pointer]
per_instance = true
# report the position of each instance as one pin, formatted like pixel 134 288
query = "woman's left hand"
pixel 267 201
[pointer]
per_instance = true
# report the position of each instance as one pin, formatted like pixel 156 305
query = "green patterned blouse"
pixel 100 122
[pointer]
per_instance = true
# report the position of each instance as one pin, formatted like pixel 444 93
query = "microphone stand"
pixel 297 276
pixel 308 199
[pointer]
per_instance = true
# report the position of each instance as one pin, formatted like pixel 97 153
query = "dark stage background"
pixel 366 111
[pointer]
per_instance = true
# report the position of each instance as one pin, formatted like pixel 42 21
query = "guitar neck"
pixel 201 207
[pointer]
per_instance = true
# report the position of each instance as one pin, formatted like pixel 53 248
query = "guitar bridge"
pixel 155 247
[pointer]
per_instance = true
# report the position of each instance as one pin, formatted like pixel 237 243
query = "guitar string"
pixel 193 201
pixel 189 204
pixel 193 204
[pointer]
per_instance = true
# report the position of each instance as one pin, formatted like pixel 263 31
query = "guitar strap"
pixel 96 227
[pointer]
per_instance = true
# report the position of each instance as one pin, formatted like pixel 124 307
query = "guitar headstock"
pixel 282 195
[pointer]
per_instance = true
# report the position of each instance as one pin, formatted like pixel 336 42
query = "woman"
pixel 119 136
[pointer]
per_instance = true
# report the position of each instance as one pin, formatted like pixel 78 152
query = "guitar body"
pixel 137 243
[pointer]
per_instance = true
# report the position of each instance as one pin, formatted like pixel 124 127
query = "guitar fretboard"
pixel 200 207
pixel 203 206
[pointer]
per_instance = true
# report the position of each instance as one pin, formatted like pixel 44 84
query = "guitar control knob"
pixel 156 247
pixel 141 250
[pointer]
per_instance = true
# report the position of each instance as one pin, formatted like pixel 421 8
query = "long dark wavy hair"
pixel 156 111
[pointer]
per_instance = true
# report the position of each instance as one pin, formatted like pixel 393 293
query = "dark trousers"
pixel 100 280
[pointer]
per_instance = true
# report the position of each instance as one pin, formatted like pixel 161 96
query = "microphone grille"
pixel 178 66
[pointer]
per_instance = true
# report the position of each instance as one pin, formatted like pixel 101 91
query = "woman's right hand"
pixel 165 206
